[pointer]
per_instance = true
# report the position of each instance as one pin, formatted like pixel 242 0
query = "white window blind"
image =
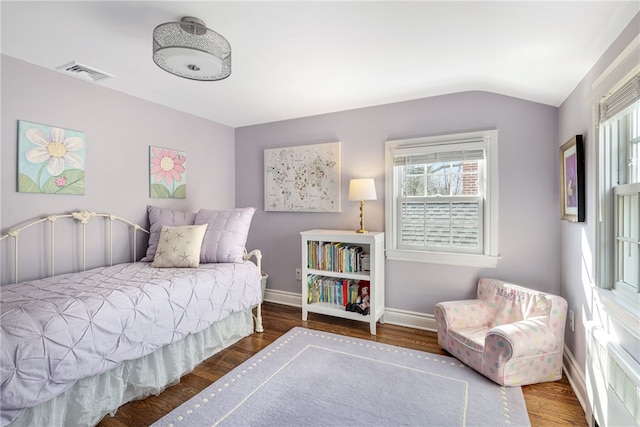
pixel 406 157
pixel 623 97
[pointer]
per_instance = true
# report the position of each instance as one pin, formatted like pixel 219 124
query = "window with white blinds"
pixel 439 205
pixel 619 192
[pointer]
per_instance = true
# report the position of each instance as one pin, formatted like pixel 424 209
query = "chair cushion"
pixel 470 337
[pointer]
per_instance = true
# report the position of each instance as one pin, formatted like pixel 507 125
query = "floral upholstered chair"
pixel 510 334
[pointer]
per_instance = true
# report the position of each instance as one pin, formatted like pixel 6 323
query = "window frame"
pixel 619 302
pixel 488 140
pixel 619 285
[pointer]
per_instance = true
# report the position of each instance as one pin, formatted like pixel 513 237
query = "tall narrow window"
pixel 442 205
pixel 619 192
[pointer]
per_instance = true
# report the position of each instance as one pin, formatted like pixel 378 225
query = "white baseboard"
pixel 392 316
pixel 576 380
pixel 282 297
pixel 410 319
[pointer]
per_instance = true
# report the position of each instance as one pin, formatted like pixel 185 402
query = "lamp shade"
pixel 362 189
pixel 191 50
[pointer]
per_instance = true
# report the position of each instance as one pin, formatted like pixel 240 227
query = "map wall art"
pixel 304 178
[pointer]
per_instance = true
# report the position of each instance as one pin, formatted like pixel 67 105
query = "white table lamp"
pixel 362 189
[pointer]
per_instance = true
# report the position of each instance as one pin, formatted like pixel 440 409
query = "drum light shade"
pixel 191 50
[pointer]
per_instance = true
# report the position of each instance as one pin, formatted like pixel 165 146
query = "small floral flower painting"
pixel 50 159
pixel 167 173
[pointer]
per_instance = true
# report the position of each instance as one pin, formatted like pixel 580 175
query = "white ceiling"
pixel 301 58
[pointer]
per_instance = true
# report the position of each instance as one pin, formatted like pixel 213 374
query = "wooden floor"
pixel 548 404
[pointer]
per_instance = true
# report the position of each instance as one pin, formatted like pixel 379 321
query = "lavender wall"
pixel 119 129
pixel 529 193
pixel 577 241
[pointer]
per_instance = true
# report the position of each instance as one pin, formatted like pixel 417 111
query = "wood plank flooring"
pixel 548 404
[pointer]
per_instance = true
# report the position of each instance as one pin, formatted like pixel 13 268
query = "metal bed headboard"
pixel 83 218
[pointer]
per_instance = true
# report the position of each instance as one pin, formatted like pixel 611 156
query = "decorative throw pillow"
pixel 179 246
pixel 159 217
pixel 226 236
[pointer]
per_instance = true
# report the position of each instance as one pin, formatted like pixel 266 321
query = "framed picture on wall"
pixel 572 191
pixel 50 159
pixel 167 173
pixel 304 178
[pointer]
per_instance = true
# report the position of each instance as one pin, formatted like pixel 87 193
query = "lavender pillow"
pixel 159 217
pixel 226 235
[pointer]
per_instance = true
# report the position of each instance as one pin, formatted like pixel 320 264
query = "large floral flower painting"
pixel 50 159
pixel 167 173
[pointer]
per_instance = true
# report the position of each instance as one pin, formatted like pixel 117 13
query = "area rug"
pixel 314 378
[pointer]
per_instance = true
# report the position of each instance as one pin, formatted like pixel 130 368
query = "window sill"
pixel 620 311
pixel 465 260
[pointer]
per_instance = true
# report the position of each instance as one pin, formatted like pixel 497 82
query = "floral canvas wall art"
pixel 50 159
pixel 167 173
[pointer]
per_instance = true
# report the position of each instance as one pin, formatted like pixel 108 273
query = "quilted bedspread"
pixel 58 330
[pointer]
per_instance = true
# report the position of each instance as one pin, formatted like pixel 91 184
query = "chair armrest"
pixel 529 337
pixel 469 313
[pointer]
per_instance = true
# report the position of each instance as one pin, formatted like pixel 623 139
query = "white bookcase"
pixel 371 244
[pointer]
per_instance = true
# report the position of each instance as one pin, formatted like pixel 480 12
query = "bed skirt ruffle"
pixel 90 399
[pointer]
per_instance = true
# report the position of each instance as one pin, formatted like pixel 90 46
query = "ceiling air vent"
pixel 84 71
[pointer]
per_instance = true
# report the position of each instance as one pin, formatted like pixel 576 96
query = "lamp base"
pixel 362 230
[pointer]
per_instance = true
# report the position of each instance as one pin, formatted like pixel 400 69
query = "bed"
pixel 77 345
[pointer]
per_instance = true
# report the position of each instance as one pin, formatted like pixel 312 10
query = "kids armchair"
pixel 510 334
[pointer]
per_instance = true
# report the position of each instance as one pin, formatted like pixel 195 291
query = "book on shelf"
pixel 366 262
pixel 332 290
pixel 340 257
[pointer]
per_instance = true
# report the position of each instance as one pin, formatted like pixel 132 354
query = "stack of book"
pixel 340 292
pixel 340 257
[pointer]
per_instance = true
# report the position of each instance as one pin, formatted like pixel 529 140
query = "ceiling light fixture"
pixel 191 50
